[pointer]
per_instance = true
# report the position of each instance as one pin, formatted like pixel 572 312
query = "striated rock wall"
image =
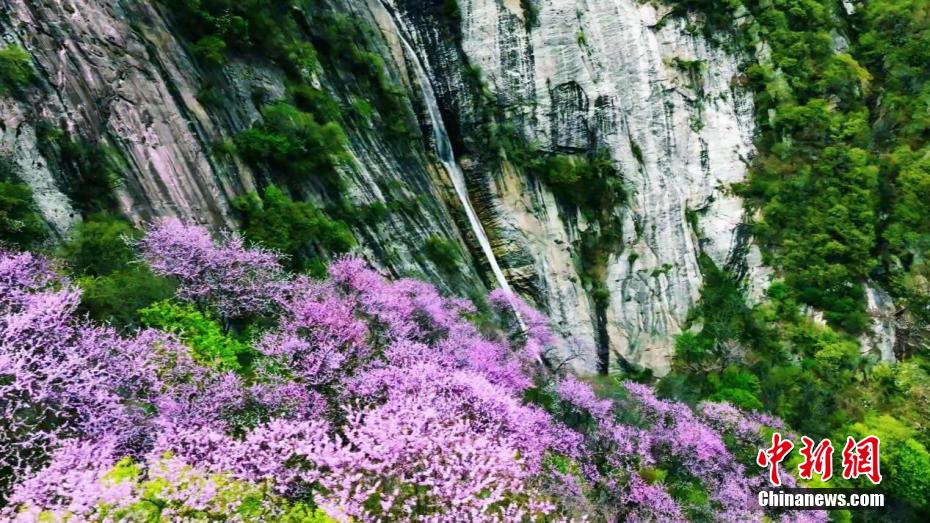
pixel 116 73
pixel 112 71
pixel 591 73
pixel 668 107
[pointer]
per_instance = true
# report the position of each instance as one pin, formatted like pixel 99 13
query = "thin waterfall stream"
pixel 447 157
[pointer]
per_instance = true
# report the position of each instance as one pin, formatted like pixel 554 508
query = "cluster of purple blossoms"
pixel 226 276
pixel 376 399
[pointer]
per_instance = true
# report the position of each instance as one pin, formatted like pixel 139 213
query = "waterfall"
pixel 447 157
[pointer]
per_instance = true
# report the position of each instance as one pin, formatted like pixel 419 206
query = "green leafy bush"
pixel 297 229
pixel 589 182
pixel 99 245
pixel 117 297
pixel 242 25
pixel 21 225
pixel 292 143
pixel 444 253
pixel 905 462
pixel 909 229
pixel 114 285
pixel 209 344
pixel 15 70
pixel 211 50
pixel 158 486
pixel 314 101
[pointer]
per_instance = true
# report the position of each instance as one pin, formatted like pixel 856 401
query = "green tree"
pixel 115 286
pixel 211 50
pixel 21 225
pixel 292 143
pixel 202 333
pixel 905 462
pixel 15 70
pixel 297 229
pixel 444 253
pixel 100 245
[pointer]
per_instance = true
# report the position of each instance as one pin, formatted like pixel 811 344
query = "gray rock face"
pixel 678 127
pixel 134 88
pixel 117 73
pixel 881 338
pixel 18 144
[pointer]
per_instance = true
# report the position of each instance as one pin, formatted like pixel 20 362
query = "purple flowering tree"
pixel 234 280
pixel 378 400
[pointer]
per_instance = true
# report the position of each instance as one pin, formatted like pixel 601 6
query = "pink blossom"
pixel 580 396
pixel 379 400
pixel 235 280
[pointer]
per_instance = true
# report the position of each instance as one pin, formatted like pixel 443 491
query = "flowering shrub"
pixel 355 398
pixel 228 277
pixel 165 488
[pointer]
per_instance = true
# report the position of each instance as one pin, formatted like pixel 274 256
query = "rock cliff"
pixel 572 76
pixel 668 107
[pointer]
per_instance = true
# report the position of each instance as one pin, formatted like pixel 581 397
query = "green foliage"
pixel 764 358
pixel 827 253
pixel 312 100
pixel 297 229
pixel 211 50
pixel 580 38
pixel 378 212
pixel 346 45
pixel 739 397
pixel 116 297
pixel 209 344
pixel 303 37
pixel 722 310
pixel 591 183
pixel 99 245
pixel 292 143
pixel 164 488
pixel 210 96
pixel 909 227
pixel 905 461
pixel 815 177
pixel 241 25
pixel 451 11
pixel 910 472
pixel 693 497
pixel 15 70
pixel 90 170
pixel 21 225
pixel 691 67
pixel 444 253
pixel 737 386
pixel 114 285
